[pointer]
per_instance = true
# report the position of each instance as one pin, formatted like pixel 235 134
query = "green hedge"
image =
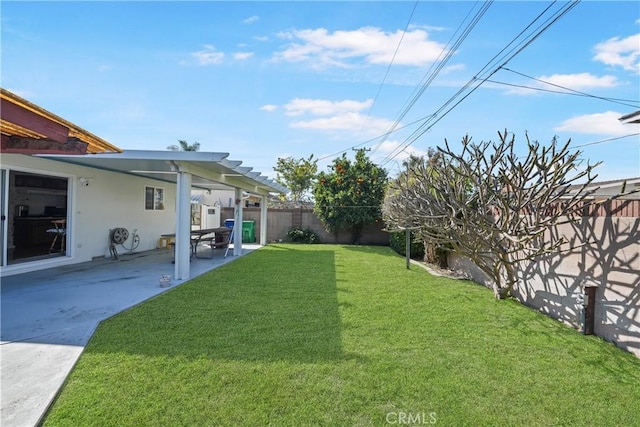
pixel 397 241
pixel 298 235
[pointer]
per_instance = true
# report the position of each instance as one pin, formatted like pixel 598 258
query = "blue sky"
pixel 263 80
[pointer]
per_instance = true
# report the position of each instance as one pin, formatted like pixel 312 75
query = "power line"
pixel 432 73
pixel 375 138
pixel 402 147
pixel 478 80
pixel 602 141
pixel 564 92
pixel 565 88
pixel 386 74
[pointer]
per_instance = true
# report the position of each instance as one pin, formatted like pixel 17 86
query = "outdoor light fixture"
pixel 84 181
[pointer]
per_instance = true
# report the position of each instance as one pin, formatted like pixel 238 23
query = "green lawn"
pixel 295 335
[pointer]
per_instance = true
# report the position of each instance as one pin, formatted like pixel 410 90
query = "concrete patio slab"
pixel 48 317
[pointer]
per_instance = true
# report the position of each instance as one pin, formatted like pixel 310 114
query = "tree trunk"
pixel 356 234
pixel 503 292
pixel 430 253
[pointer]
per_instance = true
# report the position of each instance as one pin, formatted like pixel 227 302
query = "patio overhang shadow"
pixel 237 312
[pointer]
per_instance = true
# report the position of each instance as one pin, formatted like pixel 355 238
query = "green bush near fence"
pixel 299 235
pixel 397 241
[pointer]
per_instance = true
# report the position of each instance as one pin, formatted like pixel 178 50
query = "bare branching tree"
pixel 491 205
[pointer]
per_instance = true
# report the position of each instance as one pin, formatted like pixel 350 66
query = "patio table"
pixel 198 236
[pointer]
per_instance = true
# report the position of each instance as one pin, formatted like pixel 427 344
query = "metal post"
pixel 407 248
pixel 589 309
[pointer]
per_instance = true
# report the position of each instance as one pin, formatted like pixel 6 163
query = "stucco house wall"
pixel 109 200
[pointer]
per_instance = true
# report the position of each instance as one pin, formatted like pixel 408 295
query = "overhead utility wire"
pixel 374 138
pixel 432 73
pixel 602 141
pixel 402 147
pixel 512 53
pixel 564 92
pixel 562 87
pixel 386 74
pixel 605 140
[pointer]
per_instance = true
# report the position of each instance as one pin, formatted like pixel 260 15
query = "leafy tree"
pixel 297 175
pixel 493 206
pixel 184 146
pixel 350 195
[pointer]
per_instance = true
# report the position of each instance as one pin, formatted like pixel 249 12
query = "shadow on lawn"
pixel 274 304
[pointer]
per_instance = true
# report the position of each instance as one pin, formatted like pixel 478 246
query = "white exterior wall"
pixel 227 198
pixel 110 200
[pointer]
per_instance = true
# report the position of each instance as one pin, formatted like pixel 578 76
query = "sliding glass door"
pixel 3 217
pixel 36 216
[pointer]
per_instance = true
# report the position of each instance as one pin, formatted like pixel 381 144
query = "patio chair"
pixel 59 231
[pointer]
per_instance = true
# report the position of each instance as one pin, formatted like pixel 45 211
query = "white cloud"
pixel 323 107
pixel 240 56
pixel 251 19
pixel 580 82
pixel 606 123
pixel 261 38
pixel 335 117
pixel 352 122
pixel 624 53
pixel 369 45
pixel 269 107
pixel 427 27
pixel 208 56
pixel 452 67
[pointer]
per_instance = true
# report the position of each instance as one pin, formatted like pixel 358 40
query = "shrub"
pixel 298 235
pixel 398 244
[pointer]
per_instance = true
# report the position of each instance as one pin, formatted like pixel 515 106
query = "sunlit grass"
pixel 295 335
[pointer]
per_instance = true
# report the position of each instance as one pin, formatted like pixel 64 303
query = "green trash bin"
pixel 248 231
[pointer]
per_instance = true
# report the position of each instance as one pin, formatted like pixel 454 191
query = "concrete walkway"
pixel 48 317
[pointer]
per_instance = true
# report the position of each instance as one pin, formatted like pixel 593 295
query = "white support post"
pixel 183 226
pixel 237 226
pixel 263 220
